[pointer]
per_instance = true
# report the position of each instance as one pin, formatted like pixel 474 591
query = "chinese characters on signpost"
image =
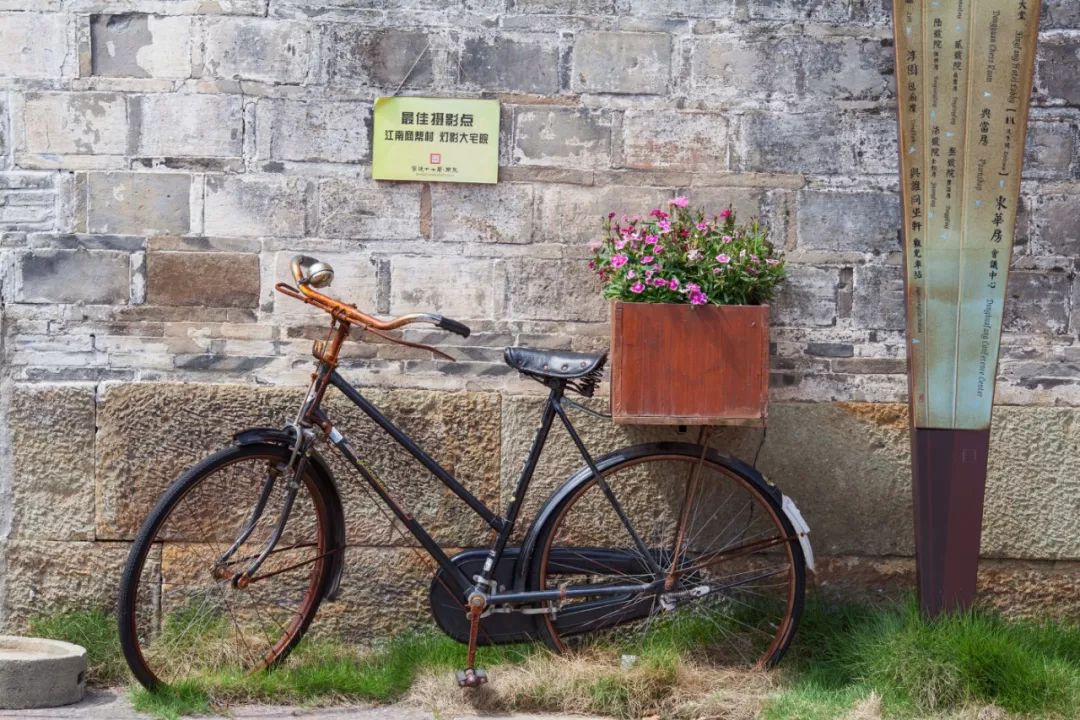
pixel 436 139
pixel 964 73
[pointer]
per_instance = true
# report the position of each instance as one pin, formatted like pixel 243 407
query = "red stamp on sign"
pixel 435 159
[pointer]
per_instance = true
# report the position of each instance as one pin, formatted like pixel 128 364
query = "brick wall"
pixel 160 161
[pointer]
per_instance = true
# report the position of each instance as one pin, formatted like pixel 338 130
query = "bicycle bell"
pixel 320 274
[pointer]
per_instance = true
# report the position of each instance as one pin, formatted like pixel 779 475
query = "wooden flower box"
pixel 689 365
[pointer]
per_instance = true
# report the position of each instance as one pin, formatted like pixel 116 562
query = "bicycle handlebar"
pixel 310 273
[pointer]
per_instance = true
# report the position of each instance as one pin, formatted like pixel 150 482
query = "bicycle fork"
pixel 295 471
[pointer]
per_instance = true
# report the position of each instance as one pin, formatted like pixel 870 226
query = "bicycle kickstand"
pixel 472 676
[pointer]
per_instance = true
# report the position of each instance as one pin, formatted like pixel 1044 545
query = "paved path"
pixel 114 705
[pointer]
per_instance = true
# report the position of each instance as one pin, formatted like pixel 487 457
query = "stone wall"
pixel 160 161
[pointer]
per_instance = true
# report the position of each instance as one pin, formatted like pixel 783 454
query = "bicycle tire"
pixel 549 564
pixel 151 534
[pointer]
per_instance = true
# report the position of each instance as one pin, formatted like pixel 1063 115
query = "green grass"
pixel 321 671
pixel 95 631
pixel 842 656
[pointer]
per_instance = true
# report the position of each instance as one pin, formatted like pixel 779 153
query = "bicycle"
pixel 231 566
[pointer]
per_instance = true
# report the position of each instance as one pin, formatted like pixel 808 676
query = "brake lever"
pixel 399 341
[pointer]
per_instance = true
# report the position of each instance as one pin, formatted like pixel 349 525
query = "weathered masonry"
pixel 160 161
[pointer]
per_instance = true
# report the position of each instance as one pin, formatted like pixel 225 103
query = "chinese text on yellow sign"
pixel 436 139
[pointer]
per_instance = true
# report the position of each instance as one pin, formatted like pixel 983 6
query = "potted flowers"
pixel 690 331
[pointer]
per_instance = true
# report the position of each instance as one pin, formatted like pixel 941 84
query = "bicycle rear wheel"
pixel 180 615
pixel 732 566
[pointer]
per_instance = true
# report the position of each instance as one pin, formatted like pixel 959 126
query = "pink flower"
pixel 702 226
pixel 717 271
pixel 754 258
pixel 646 259
pixel 665 226
pixel 673 283
pixel 659 282
pixel 679 201
pixel 658 249
pixel 659 214
pixel 693 288
pixel 610 215
pixel 630 274
pixel 651 239
pixel 620 244
pixel 725 214
pixel 637 288
pixel 617 261
pixel 648 273
pixel 721 258
pixel 726 239
pixel 698 298
pixel 595 245
pixel 752 270
pixel 772 261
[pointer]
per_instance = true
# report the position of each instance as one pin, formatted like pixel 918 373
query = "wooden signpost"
pixel 964 73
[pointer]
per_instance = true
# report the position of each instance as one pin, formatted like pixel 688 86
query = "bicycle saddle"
pixel 557 364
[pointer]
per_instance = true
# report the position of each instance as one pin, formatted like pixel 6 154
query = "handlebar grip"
pixel 453 326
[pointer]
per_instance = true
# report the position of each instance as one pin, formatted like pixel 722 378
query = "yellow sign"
pixel 436 140
pixel 964 71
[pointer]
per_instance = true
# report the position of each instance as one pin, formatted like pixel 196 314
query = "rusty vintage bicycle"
pixel 230 568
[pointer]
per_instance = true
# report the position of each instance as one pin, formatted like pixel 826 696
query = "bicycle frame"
pixel 503 525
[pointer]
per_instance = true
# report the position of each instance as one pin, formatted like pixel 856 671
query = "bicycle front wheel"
pixel 181 616
pixel 702 553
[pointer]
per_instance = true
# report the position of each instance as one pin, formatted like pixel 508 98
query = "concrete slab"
pixel 40 673
pixel 113 704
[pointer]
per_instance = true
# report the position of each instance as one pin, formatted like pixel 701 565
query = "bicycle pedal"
pixel 471 677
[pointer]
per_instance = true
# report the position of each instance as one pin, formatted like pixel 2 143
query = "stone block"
pixel 622 62
pixel 28 201
pixel 797 143
pixel 138 203
pixel 139 45
pixel 47 578
pixel 365 209
pixel 739 69
pixel 879 302
pixel 150 433
pixel 561 137
pixel 381 58
pixel 244 206
pixel 866 222
pixel 847 68
pixel 1037 302
pixel 458 287
pixel 268 50
pixel 510 64
pixel 807 297
pixel 52 454
pixel 1050 149
pixel 74 276
pixel 820 11
pixel 1057 218
pixel 564 7
pixel 1057 70
pixel 217 279
pixel 746 202
pixel 554 290
pixel 204 126
pixel 684 141
pixel 78 123
pixel 35 45
pixel 312 131
pixel 500 213
pixel 1064 14
pixel 580 211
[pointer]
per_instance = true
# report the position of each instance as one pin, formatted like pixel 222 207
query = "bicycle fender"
pixel 584 475
pixel 801 527
pixel 328 488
